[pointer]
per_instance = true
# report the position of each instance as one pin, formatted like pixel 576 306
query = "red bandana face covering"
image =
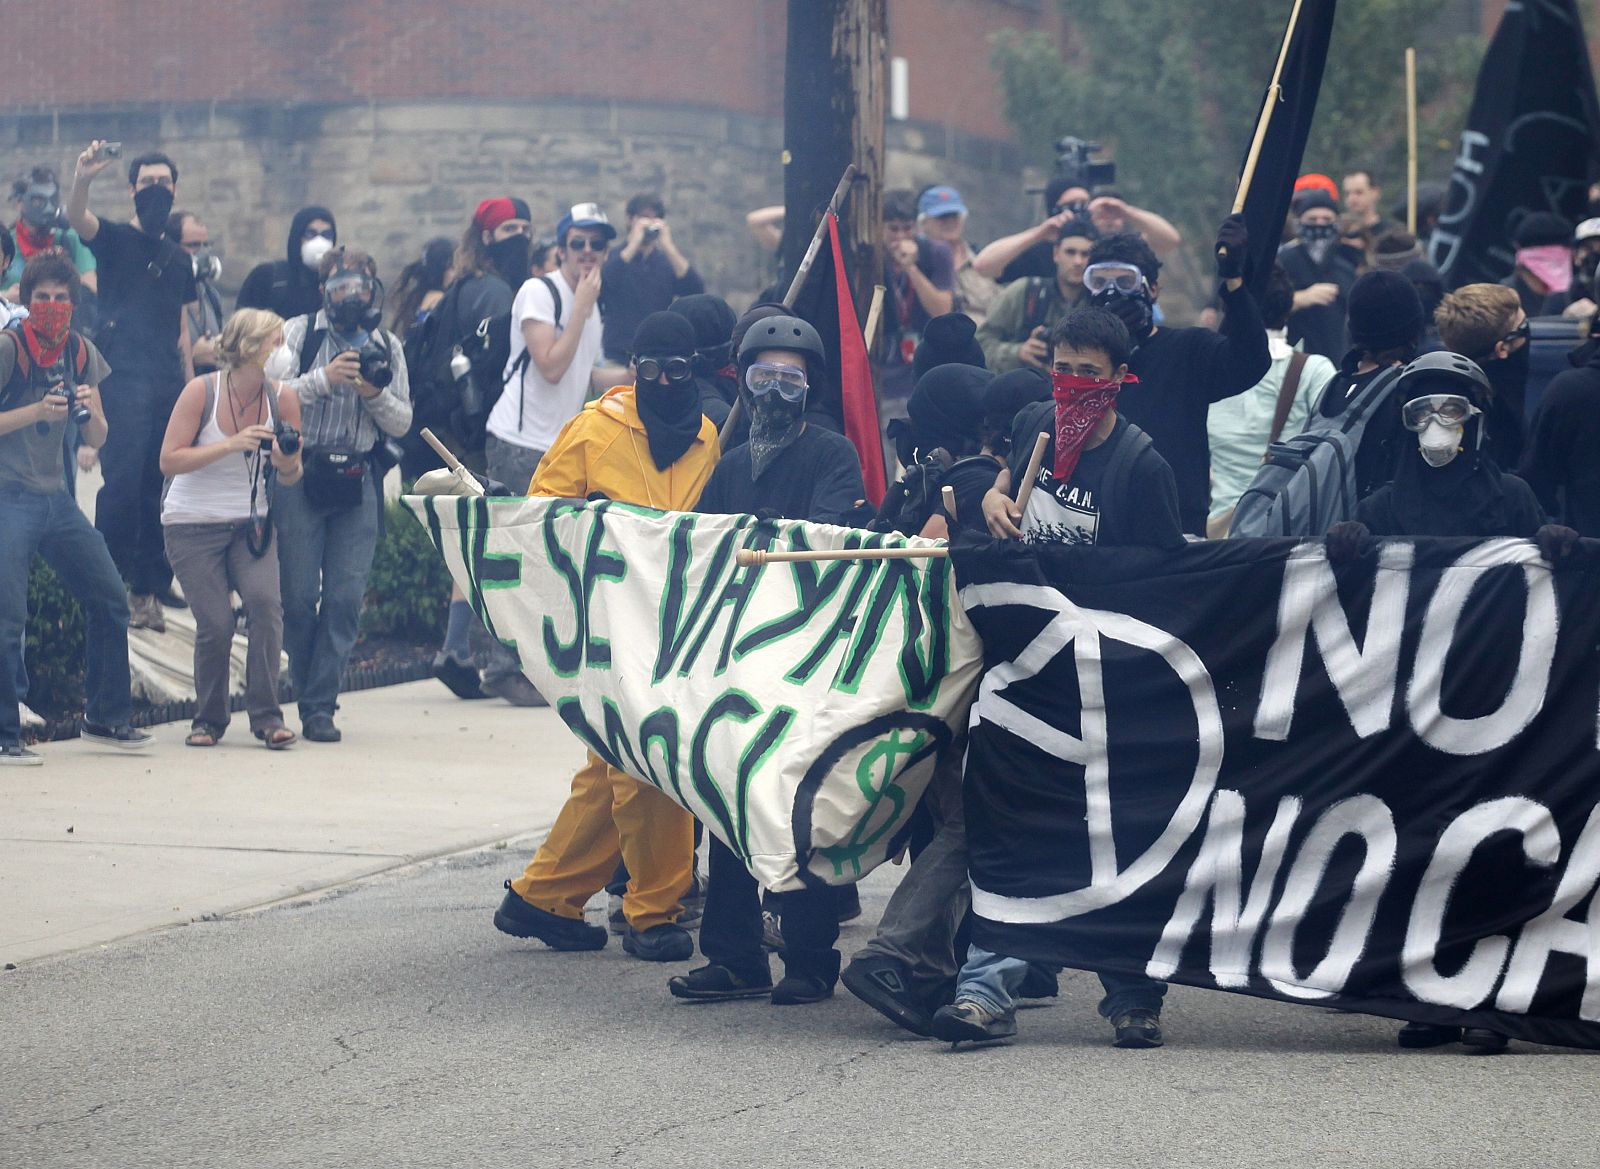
pixel 46 329
pixel 1081 403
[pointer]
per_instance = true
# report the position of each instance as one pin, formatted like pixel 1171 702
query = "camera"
pixel 288 439
pixel 76 410
pixel 109 150
pixel 652 232
pixel 376 370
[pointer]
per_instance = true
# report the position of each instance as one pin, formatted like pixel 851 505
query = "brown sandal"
pixel 276 737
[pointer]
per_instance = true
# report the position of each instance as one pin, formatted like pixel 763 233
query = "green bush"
pixel 54 645
pixel 408 592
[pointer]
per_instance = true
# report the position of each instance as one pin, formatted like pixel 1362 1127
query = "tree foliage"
pixel 1173 91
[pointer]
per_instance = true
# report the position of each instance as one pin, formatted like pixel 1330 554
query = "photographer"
pixel 231 435
pixel 204 315
pixel 644 277
pixel 351 379
pixel 48 380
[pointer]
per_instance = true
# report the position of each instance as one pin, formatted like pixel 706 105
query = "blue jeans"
pixel 128 509
pixel 323 558
pixel 52 526
pixel 993 981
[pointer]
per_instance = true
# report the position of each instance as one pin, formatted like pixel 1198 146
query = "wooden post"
pixel 1411 141
pixel 1029 476
pixel 748 557
pixel 1274 96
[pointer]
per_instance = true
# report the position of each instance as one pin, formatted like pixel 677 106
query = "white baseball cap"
pixel 1588 229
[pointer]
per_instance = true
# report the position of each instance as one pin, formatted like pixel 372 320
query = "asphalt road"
pixel 390 1025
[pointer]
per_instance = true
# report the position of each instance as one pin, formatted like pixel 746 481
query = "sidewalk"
pixel 100 843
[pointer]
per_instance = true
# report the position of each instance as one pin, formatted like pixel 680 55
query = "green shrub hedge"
pixel 54 645
pixel 408 593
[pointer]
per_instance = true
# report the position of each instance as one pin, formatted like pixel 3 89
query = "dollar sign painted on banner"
pixel 875 775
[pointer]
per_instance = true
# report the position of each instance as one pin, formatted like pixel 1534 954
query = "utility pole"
pixel 833 111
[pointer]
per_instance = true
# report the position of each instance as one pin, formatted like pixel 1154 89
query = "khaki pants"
pixel 611 816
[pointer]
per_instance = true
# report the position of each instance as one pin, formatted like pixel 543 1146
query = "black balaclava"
pixel 946 340
pixel 944 411
pixel 1465 497
pixel 1005 397
pixel 671 412
pixel 151 206
pixel 1385 312
pixel 775 424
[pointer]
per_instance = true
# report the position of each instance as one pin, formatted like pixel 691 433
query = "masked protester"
pixel 145 282
pixel 1582 291
pixel 793 471
pixel 48 382
pixel 1561 463
pixel 647 444
pixel 1543 261
pixel 41 224
pixel 351 379
pixel 292 286
pixel 1322 274
pixel 715 374
pixel 1485 322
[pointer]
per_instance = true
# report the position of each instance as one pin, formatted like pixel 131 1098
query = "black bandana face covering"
pixel 151 206
pixel 671 417
pixel 774 424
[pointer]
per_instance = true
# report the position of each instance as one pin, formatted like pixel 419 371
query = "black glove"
pixel 496 489
pixel 1233 242
pixel 1555 542
pixel 1347 542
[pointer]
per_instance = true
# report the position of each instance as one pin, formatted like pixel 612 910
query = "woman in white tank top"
pixel 223 453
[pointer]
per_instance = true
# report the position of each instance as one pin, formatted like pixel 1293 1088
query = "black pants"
pixel 730 933
pixel 128 509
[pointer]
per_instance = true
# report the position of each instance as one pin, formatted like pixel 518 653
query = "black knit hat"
pixel 664 334
pixel 1004 397
pixel 948 340
pixel 1385 312
pixel 1540 229
pixel 711 316
pixel 946 408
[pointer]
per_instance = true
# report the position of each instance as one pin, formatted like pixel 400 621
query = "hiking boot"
pixel 319 728
pixel 1422 1035
pixel 884 984
pixel 521 920
pixel 124 736
pixel 716 983
pixel 970 1021
pixel 667 942
pixel 799 989
pixel 458 677
pixel 16 755
pixel 515 689
pixel 1137 1028
pixel 1484 1041
pixel 169 598
pixel 144 612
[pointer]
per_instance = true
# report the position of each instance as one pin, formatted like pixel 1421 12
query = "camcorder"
pixel 1075 164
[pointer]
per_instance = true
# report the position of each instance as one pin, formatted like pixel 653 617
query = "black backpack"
pixel 22 368
pixel 913 498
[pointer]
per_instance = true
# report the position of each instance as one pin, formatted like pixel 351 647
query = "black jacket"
pixel 1562 461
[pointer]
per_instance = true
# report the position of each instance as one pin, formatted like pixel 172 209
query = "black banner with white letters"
pixel 1235 767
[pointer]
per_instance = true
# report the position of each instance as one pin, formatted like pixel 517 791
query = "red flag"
pixel 859 401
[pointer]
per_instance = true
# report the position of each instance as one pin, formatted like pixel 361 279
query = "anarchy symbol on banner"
pixel 1084 630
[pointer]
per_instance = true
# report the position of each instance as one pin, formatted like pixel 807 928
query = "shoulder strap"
pixel 208 409
pixel 555 295
pixel 19 366
pixel 311 345
pixel 1286 394
pixel 1114 486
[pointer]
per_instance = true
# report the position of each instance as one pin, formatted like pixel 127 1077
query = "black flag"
pixel 1532 141
pixel 1266 203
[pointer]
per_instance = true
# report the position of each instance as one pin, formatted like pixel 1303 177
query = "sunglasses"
pixel 1446 409
pixel 578 243
pixel 1099 277
pixel 789 381
pixel 650 369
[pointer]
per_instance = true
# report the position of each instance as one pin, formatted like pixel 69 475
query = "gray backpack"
pixel 1308 483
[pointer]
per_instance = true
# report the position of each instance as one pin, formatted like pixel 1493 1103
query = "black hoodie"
pixel 1562 462
pixel 287 286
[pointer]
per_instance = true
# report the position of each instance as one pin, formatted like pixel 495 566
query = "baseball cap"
pixel 937 201
pixel 585 215
pixel 1588 229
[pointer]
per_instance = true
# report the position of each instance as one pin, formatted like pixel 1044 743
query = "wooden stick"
pixel 1031 475
pixel 948 493
pixel 815 246
pixel 874 315
pixel 748 557
pixel 1411 141
pixel 1274 96
pixel 450 461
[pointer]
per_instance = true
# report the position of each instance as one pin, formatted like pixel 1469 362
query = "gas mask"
pixel 41 208
pixel 1122 290
pixel 353 301
pixel 312 251
pixel 1439 421
pixel 206 265
pixel 1318 238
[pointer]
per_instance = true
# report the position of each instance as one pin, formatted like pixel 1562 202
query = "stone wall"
pixel 399 173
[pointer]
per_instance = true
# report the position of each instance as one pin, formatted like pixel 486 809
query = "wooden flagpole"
pixel 1411 140
pixel 466 477
pixel 748 557
pixel 815 246
pixel 1035 461
pixel 1274 96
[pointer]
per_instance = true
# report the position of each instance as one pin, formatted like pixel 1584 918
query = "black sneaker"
pixel 1137 1028
pixel 521 920
pixel 124 736
pixel 884 984
pixel 666 942
pixel 16 755
pixel 319 728
pixel 799 989
pixel 459 678
pixel 971 1022
pixel 169 598
pixel 716 983
pixel 1484 1041
pixel 1422 1035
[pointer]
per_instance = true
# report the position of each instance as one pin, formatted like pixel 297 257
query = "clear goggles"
pixel 650 369
pixel 1099 277
pixel 764 377
pixel 1446 409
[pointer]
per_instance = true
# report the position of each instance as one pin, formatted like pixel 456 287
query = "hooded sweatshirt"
pixel 605 450
pixel 1561 462
pixel 287 287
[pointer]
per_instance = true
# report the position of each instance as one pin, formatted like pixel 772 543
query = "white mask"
pixel 312 251
pixel 1440 443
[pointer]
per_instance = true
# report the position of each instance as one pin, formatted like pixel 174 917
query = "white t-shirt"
pixel 534 416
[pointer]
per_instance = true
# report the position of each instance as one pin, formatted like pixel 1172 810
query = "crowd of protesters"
pixel 243 454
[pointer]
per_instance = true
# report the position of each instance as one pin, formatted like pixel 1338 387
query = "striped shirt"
pixel 337 417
